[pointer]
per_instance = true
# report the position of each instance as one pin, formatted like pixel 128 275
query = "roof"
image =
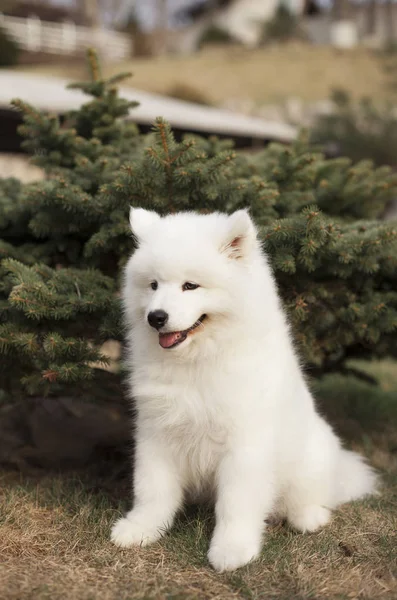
pixel 49 94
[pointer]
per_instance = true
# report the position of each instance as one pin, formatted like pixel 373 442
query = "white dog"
pixel 222 405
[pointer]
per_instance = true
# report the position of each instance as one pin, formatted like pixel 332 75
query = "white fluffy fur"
pixel 227 413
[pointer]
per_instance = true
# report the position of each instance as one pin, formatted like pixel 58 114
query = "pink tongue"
pixel 169 339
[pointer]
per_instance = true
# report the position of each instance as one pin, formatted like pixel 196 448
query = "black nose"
pixel 157 318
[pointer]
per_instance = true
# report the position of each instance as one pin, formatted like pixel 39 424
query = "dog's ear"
pixel 240 235
pixel 141 221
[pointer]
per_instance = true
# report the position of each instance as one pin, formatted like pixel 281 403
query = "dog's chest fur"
pixel 187 409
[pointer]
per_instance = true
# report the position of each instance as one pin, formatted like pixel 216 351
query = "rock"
pixel 391 211
pixel 59 432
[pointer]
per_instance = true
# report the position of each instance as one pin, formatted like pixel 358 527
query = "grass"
pixel 357 407
pixel 266 75
pixel 54 538
pixel 54 545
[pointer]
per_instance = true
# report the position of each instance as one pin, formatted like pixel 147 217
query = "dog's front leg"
pixel 158 496
pixel 245 497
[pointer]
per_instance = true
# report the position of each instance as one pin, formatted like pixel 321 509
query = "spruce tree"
pixel 64 240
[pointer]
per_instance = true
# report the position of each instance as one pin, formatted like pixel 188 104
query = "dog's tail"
pixel 355 478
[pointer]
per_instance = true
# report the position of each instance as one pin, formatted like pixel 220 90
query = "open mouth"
pixel 174 338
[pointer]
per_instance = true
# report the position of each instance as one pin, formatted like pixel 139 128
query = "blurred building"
pixel 52 95
pixel 46 11
pixel 179 25
pixel 187 21
pixel 46 31
pixel 243 20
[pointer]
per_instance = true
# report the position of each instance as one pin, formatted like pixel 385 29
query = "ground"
pixel 55 545
pixel 54 531
pixel 267 75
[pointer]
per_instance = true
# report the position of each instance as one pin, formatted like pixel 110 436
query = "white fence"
pixel 35 35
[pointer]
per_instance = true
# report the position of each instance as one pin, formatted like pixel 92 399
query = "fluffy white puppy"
pixel 222 406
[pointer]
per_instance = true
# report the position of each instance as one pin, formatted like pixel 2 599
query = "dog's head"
pixel 187 280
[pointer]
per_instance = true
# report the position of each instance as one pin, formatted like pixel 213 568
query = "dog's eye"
pixel 189 286
pixel 154 285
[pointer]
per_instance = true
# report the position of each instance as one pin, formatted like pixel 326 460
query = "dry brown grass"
pixel 54 545
pixel 264 75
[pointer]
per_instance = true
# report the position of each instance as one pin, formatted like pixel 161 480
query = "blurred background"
pixel 283 63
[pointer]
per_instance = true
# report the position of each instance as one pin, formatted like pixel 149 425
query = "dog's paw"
pixel 310 518
pixel 226 554
pixel 128 532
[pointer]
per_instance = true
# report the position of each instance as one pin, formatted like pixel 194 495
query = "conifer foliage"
pixel 64 240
